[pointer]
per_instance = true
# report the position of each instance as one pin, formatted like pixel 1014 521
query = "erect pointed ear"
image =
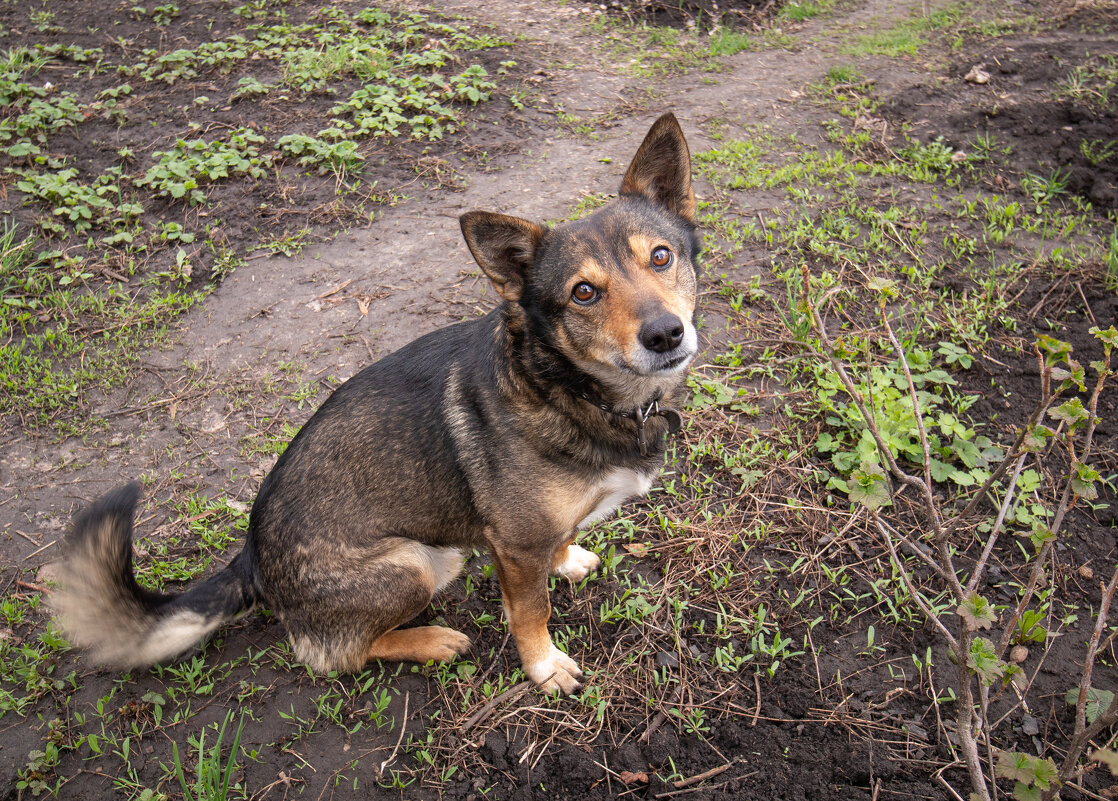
pixel 504 247
pixel 661 170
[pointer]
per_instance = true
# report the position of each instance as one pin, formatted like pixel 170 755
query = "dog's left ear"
pixel 504 247
pixel 661 170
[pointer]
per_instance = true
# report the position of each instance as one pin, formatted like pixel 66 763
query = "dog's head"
pixel 614 293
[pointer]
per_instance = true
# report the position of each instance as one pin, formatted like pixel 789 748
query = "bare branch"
pixel 917 412
pixel 913 591
pixel 980 565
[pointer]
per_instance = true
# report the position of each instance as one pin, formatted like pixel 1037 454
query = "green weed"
pixel 309 151
pixel 212 781
pixel 179 173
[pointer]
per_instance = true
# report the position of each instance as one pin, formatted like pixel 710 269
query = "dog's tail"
pixel 102 608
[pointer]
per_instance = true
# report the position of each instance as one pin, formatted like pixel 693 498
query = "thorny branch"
pixel 969 721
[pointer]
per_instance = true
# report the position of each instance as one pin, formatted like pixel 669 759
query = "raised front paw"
pixel 579 563
pixel 555 673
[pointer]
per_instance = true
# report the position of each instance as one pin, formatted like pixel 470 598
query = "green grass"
pixel 801 11
pixel 905 37
pixel 103 260
pixel 646 50
pixel 62 342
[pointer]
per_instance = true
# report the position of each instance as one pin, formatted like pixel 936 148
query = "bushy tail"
pixel 102 608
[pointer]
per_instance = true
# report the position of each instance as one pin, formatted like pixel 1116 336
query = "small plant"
pixel 180 172
pixel 171 232
pixel 1110 260
pixel 37 776
pixel 981 667
pixel 250 87
pixel 1031 775
pixel 957 453
pixel 211 780
pixel 162 15
pixel 44 22
pixel 1043 190
pixel 1098 151
pixel 1093 81
pixel 340 157
pixel 797 11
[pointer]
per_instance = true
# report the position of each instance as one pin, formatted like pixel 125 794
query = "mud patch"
pixel 703 14
pixel 1038 109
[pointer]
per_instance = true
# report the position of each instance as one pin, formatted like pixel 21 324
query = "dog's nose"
pixel 662 334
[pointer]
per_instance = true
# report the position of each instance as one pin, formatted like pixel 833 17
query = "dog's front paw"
pixel 579 563
pixel 557 672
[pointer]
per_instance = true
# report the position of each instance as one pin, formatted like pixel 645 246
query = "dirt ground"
pixel 842 720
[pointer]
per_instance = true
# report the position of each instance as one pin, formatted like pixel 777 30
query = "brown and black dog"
pixel 508 432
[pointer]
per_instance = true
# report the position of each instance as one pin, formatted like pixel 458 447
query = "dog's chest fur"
pixel 619 485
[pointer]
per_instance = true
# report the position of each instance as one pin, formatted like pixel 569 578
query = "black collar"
pixel 571 382
pixel 638 415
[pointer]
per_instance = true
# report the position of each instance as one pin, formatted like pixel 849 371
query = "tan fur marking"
pixel 411 556
pixel 690 206
pixel 566 504
pixel 666 289
pixel 532 638
pixel 436 567
pixel 623 323
pixel 420 644
pixel 569 503
pixel 641 247
pixel 593 273
pixel 645 284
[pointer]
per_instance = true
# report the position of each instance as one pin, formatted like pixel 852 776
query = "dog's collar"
pixel 639 415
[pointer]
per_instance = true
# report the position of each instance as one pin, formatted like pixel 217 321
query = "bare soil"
pixel 704 14
pixel 279 333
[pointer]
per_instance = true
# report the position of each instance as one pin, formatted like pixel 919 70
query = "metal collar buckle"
pixel 673 417
pixel 640 417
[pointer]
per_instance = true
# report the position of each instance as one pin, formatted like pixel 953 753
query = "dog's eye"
pixel 584 293
pixel 661 257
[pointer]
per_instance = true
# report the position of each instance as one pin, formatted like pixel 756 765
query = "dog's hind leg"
pixel 420 644
pixel 426 643
pixel 358 620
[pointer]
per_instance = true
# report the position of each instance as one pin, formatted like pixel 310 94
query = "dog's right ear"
pixel 661 170
pixel 504 247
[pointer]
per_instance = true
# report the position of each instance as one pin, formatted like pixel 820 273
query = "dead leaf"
pixel 363 305
pixel 628 777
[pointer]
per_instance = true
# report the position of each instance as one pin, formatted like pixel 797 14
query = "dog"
pixel 510 432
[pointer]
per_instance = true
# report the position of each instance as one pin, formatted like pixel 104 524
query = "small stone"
pixel 1085 572
pixel 917 731
pixel 977 74
pixel 666 659
pixel 1029 726
pixel 1019 654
